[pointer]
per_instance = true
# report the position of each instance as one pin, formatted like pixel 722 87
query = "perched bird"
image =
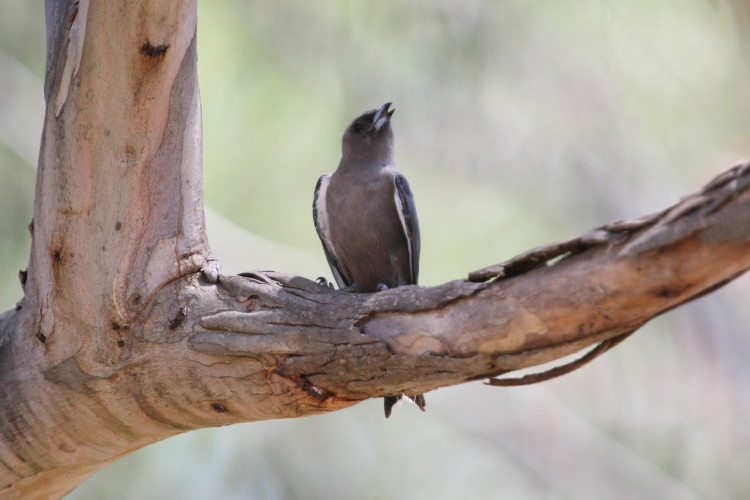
pixel 365 215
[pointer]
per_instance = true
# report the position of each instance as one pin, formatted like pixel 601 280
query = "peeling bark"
pixel 129 333
pixel 541 306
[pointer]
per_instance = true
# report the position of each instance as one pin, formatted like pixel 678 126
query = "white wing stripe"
pixel 321 212
pixel 401 210
pixel 322 224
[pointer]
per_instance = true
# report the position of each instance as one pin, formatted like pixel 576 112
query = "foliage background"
pixel 518 123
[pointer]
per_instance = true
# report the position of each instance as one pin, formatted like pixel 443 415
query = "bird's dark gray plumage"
pixel 365 215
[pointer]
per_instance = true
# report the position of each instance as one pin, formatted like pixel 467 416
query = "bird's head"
pixel 369 136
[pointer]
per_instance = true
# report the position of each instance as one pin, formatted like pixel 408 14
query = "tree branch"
pixel 538 307
pixel 120 340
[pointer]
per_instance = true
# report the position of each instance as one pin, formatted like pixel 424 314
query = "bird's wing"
pixel 320 217
pixel 407 212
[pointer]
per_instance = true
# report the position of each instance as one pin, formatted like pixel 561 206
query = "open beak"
pixel 382 116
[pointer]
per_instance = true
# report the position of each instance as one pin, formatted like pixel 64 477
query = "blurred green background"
pixel 518 123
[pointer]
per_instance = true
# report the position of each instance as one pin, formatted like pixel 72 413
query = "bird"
pixel 365 216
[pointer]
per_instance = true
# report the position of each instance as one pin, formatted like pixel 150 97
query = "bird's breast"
pixel 366 231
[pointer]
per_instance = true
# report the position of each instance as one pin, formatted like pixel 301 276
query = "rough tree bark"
pixel 128 333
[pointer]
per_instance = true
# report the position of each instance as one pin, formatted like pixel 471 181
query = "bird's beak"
pixel 382 116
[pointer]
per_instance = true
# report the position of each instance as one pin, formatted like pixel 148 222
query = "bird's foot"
pixel 382 287
pixel 347 289
pixel 324 282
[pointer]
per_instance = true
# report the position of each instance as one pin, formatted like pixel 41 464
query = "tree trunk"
pixel 128 333
pixel 117 229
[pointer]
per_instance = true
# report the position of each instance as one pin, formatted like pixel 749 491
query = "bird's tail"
pixel 393 402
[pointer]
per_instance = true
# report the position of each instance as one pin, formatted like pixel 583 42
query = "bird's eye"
pixel 357 127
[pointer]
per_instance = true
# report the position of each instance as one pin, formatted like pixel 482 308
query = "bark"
pixel 129 333
pixel 538 307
